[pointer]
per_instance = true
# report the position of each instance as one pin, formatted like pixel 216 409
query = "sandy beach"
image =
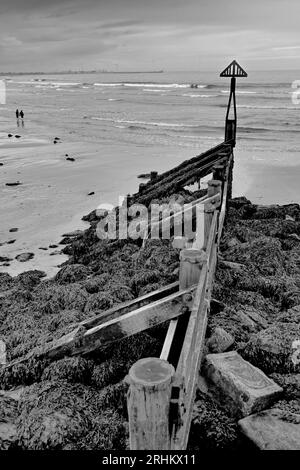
pixel 53 195
pixel 114 132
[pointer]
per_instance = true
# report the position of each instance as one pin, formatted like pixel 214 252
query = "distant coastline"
pixel 74 72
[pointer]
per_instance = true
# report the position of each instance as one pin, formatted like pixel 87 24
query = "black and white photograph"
pixel 149 229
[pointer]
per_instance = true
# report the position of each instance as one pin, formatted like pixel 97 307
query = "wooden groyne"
pixel 162 389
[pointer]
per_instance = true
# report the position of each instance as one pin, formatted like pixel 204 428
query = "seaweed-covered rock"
pixel 8 416
pixel 109 432
pixel 58 415
pixel 290 383
pixel 22 373
pixel 71 369
pixel 212 428
pixel 72 273
pixel 275 348
pixel 219 341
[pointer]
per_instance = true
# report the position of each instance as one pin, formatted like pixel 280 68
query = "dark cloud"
pixel 134 33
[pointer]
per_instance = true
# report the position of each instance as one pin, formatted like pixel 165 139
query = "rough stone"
pixel 273 429
pixel 23 257
pixel 220 341
pixel 243 388
pixel 275 349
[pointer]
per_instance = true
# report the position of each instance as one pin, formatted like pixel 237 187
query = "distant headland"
pixel 73 72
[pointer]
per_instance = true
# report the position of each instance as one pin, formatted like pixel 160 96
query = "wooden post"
pixel 148 404
pixel 190 266
pixel 214 187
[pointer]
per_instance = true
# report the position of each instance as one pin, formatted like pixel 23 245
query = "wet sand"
pixel 53 195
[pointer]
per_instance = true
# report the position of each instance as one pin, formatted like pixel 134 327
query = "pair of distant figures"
pixel 20 114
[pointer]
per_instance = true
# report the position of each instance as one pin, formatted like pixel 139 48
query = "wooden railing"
pixel 162 390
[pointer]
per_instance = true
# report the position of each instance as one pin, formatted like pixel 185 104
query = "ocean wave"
pixel 192 95
pixel 145 123
pixel 239 92
pixel 148 85
pixel 248 106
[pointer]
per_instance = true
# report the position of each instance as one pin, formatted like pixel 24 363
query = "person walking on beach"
pixel 21 114
pixel 17 113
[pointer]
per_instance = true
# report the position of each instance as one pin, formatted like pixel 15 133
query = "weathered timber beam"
pixel 189 210
pixel 191 353
pixel 190 175
pixel 134 304
pixel 127 325
pixel 224 147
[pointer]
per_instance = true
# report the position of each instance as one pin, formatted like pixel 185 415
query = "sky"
pixel 136 35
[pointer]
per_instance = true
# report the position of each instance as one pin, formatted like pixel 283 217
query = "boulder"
pixel 219 341
pixel 23 257
pixel 273 429
pixel 275 349
pixel 243 388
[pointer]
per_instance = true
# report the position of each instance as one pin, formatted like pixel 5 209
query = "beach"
pixel 116 127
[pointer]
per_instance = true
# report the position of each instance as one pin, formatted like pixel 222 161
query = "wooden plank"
pixel 127 325
pixel 134 304
pixel 183 434
pixel 168 340
pixel 207 202
pixel 192 349
pixel 220 150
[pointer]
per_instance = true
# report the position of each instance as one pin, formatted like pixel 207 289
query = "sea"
pixel 160 114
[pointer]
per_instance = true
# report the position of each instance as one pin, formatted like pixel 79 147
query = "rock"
pixel 17 183
pixel 273 429
pixel 56 138
pixel 53 246
pixel 91 193
pixel 4 259
pixel 219 341
pixel 230 265
pixel 233 242
pixel 252 319
pixel 294 236
pixel 72 273
pixel 13 229
pixel 243 388
pixel 10 135
pixel 1 164
pixel 10 242
pixel 292 315
pixel 288 217
pixel 17 136
pixel 56 252
pixel 55 141
pixel 24 257
pixel 8 416
pixel 290 384
pixel 275 349
pixel 8 435
pixel 75 233
pixel 14 394
pixel 43 248
pixel 70 159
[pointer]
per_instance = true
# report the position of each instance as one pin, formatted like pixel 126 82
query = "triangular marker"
pixel 234 70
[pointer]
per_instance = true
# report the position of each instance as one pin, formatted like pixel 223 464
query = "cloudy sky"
pixel 44 35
